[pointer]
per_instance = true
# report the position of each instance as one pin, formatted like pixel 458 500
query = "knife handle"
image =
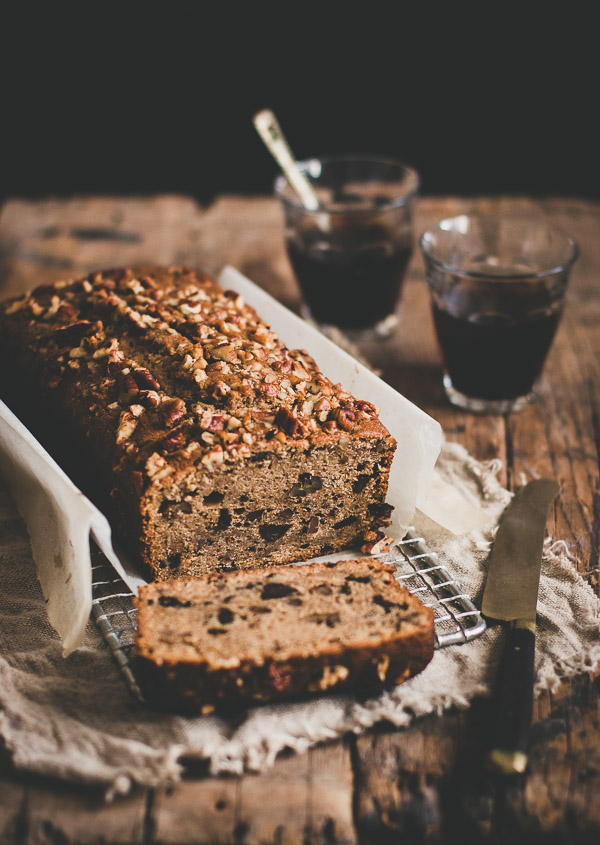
pixel 514 697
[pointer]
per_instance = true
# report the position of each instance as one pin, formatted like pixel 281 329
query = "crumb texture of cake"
pixel 248 637
pixel 210 444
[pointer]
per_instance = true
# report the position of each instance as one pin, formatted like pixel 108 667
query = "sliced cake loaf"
pixel 211 445
pixel 244 637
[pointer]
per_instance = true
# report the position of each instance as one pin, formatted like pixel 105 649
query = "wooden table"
pixel 426 783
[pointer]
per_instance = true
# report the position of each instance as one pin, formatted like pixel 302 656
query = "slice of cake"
pixel 249 637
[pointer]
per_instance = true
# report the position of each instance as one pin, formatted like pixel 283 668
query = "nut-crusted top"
pixel 175 369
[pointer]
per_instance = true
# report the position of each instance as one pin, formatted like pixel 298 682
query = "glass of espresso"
pixel 497 287
pixel 349 256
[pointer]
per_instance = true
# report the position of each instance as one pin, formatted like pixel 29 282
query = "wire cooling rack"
pixel 456 618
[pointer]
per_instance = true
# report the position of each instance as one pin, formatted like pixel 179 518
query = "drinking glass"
pixel 350 255
pixel 497 286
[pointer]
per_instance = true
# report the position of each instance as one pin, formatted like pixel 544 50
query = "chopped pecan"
pixel 174 439
pixel 345 418
pixel 269 389
pixel 225 352
pixel 237 298
pixel 74 332
pixel 114 362
pixel 65 312
pixel 366 407
pixel 127 425
pixel 375 542
pixel 156 466
pixel 17 305
pixel 172 410
pixel 333 675
pixel 214 458
pixel 382 667
pixel 149 398
pixel 287 422
pixel 210 421
pixel 283 366
pixel 220 389
pixel 144 379
pixel 128 389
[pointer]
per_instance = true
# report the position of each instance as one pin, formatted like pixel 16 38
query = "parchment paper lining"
pixel 60 519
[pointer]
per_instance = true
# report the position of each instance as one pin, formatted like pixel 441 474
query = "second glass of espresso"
pixel 497 286
pixel 350 255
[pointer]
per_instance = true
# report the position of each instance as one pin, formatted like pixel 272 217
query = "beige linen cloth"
pixel 74 717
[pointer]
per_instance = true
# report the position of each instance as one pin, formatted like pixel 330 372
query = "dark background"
pixel 144 98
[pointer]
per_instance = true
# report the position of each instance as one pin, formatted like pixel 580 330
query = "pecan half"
pixel 172 411
pixel 144 379
pixel 345 418
pixel 287 422
pixel 75 332
pixel 127 425
pixel 174 439
pixel 128 389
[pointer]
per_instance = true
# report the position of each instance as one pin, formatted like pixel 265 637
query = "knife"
pixel 510 595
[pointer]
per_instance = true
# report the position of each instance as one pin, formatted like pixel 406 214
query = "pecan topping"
pixel 366 407
pixel 287 422
pixel 345 418
pixel 144 379
pixel 210 421
pixel 65 312
pixel 128 389
pixel 223 356
pixel 174 439
pixel 149 398
pixel 172 411
pixel 156 466
pixel 127 425
pixel 75 332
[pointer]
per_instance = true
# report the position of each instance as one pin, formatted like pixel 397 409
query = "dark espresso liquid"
pixel 489 356
pixel 352 282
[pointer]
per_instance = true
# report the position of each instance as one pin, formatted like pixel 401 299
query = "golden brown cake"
pixel 174 406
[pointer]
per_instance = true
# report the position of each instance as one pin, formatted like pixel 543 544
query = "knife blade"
pixel 510 596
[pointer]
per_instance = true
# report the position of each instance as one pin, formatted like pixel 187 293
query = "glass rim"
pixel 304 165
pixel 552 269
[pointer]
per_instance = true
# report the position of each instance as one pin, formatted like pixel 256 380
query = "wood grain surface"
pixel 426 783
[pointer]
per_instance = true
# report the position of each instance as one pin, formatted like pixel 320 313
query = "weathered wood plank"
pixel 58 813
pixel 302 798
pixel 53 239
pixel 196 811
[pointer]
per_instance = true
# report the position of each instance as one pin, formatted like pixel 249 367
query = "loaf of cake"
pixel 210 445
pixel 245 637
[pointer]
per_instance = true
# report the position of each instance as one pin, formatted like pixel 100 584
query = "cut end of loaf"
pixel 279 506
